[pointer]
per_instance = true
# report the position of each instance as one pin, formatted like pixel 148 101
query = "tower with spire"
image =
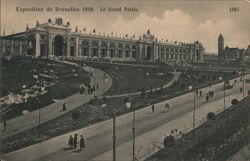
pixel 220 45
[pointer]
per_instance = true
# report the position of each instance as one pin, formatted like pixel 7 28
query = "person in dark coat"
pixel 4 125
pixel 207 98
pixel 81 89
pixel 167 107
pixel 71 141
pixel 64 107
pixel 82 143
pixel 75 141
pixel 153 108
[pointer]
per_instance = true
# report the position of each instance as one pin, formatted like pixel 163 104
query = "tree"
pixel 234 101
pixel 210 115
pixel 169 141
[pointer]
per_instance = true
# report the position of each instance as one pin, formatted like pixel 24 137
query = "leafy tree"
pixel 234 101
pixel 210 115
pixel 169 141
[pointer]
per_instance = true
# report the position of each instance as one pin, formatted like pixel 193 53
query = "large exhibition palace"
pixel 56 39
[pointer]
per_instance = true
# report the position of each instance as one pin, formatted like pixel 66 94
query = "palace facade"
pixel 55 39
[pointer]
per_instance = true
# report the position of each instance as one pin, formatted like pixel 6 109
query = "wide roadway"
pixel 150 129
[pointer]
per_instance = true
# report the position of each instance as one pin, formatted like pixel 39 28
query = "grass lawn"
pixel 128 79
pixel 24 77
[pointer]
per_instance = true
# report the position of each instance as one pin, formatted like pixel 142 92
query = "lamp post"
pixel 39 112
pixel 128 105
pixel 243 84
pixel 114 137
pixel 94 75
pixel 103 84
pixel 39 117
pixel 190 88
pixel 224 94
pixel 104 79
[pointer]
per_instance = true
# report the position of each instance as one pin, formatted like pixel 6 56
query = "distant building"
pixel 227 53
pixel 13 46
pixel 210 57
pixel 247 55
pixel 56 39
pixel 220 46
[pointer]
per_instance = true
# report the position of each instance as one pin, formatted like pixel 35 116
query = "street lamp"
pixel 128 105
pixel 104 105
pixel 114 137
pixel 39 112
pixel 94 75
pixel 224 94
pixel 243 84
pixel 105 79
pixel 190 88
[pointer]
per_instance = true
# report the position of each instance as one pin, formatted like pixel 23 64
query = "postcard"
pixel 125 80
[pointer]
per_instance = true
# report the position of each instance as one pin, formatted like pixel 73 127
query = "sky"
pixel 180 20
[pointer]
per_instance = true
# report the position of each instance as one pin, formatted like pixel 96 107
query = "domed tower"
pixel 220 45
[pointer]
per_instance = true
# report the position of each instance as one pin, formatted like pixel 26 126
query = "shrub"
pixel 210 116
pixel 169 141
pixel 234 101
pixel 76 115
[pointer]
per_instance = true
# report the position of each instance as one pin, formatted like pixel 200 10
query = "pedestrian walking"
pixel 64 107
pixel 176 134
pixel 80 89
pixel 197 92
pixel 167 107
pixel 82 143
pixel 71 142
pixel 4 125
pixel 153 108
pixel 200 92
pixel 240 89
pixel 207 98
pixel 75 140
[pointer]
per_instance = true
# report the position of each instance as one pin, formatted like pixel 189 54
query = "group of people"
pixel 199 92
pixel 72 143
pixel 91 89
pixel 82 89
pixel 177 134
pixel 166 107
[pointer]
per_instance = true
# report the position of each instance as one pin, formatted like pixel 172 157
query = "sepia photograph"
pixel 125 80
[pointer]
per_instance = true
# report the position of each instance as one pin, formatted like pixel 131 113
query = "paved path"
pixel 150 131
pixel 52 111
pixel 175 78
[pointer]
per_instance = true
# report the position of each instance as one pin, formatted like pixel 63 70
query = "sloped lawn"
pixel 22 79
